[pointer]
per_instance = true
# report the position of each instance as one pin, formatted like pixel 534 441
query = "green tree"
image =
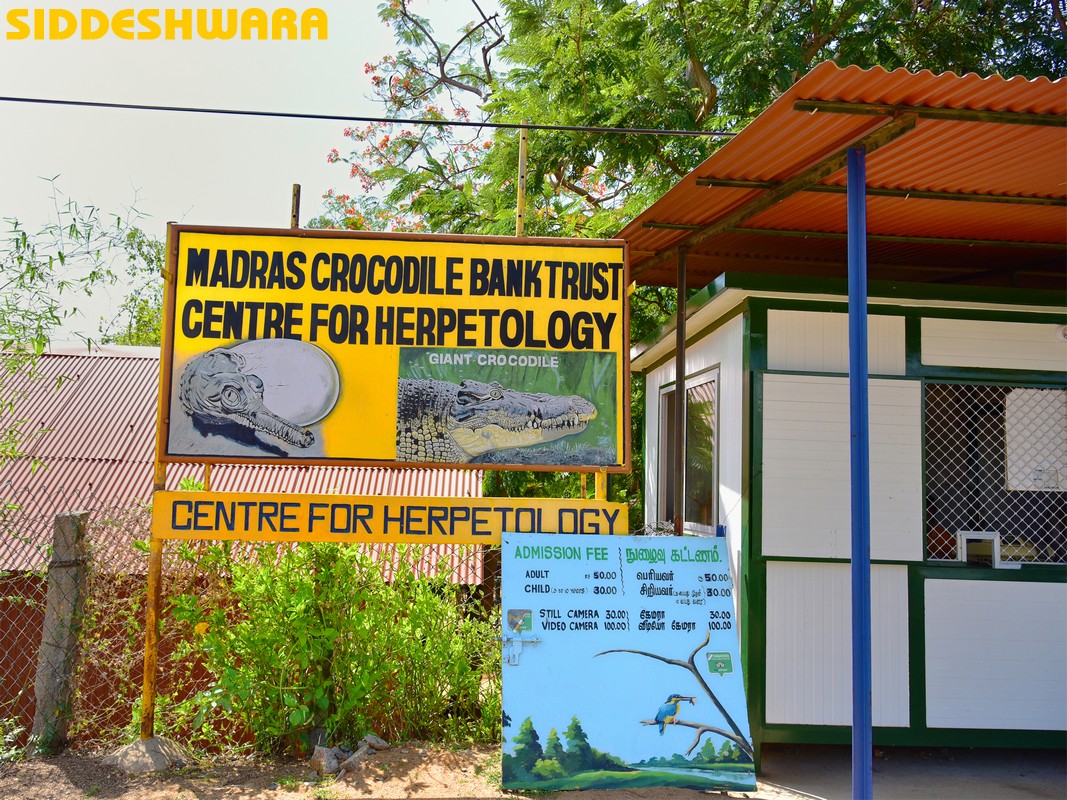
pixel 527 746
pixel 553 747
pixel 579 752
pixel 697 66
pixel 76 251
pixel 140 317
pixel 729 752
pixel 547 769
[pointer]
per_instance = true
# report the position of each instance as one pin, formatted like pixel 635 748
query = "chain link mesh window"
pixel 995 463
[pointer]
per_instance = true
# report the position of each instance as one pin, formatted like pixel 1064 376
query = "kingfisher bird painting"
pixel 668 712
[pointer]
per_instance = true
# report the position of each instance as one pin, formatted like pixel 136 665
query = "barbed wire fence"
pixel 91 654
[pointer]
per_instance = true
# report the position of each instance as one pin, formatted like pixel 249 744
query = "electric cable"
pixel 348 118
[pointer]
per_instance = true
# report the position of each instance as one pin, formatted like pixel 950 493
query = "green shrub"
pixel 323 636
pixel 10 733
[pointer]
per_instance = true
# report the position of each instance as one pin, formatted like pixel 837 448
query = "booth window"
pixel 995 463
pixel 701 462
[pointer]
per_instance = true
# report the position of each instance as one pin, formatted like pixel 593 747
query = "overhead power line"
pixel 348 118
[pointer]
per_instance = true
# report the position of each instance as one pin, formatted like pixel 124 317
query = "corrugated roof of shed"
pixel 987 159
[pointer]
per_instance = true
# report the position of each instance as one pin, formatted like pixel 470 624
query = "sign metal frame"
pixel 594 328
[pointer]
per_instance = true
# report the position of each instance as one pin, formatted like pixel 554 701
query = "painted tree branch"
pixel 701 729
pixel 690 666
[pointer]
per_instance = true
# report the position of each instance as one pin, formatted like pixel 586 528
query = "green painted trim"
pixel 748 619
pixel 1015 377
pixel 913 345
pixel 756 632
pixel 925 467
pixel 644 450
pixel 826 306
pixel 883 306
pixel 959 571
pixel 916 647
pixel 908 737
pixel 1003 378
pixel 890 289
pixel 886 562
pixel 702 297
pixel 756 665
pixel 1052 317
pixel 814 374
pixel 758 333
pixel 884 294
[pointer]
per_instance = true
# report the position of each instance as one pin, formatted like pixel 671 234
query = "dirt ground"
pixel 413 770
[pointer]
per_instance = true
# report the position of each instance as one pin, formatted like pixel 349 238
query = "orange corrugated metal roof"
pixel 910 238
pixel 95 432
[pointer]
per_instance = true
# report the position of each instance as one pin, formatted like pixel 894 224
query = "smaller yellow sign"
pixel 349 518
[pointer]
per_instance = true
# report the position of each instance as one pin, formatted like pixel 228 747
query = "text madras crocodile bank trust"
pixel 383 274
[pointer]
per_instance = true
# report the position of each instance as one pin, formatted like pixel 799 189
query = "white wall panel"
pixel 809 644
pixel 806 474
pixel 996 655
pixel 817 341
pixel 724 348
pixel 993 345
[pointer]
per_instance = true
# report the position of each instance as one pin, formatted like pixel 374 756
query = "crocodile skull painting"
pixel 217 391
pixel 441 421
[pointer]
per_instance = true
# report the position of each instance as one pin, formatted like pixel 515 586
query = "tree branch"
pixel 1057 12
pixel 700 74
pixel 691 667
pixel 441 57
pixel 701 729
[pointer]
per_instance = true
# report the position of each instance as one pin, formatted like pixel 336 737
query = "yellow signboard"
pixel 360 519
pixel 337 348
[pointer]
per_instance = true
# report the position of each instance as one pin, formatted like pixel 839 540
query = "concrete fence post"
pixel 54 687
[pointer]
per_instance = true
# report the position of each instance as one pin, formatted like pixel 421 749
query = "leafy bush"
pixel 325 637
pixel 10 733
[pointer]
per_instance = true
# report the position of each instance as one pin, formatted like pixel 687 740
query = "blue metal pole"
pixel 862 779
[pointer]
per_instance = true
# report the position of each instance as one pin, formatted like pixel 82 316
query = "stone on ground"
pixel 324 761
pixel 351 764
pixel 148 755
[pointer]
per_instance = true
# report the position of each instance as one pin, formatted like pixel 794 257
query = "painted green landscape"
pixel 578 765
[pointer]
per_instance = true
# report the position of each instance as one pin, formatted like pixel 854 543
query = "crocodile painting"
pixel 439 421
pixel 218 392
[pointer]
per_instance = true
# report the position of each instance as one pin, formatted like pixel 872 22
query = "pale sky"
pixel 196 169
